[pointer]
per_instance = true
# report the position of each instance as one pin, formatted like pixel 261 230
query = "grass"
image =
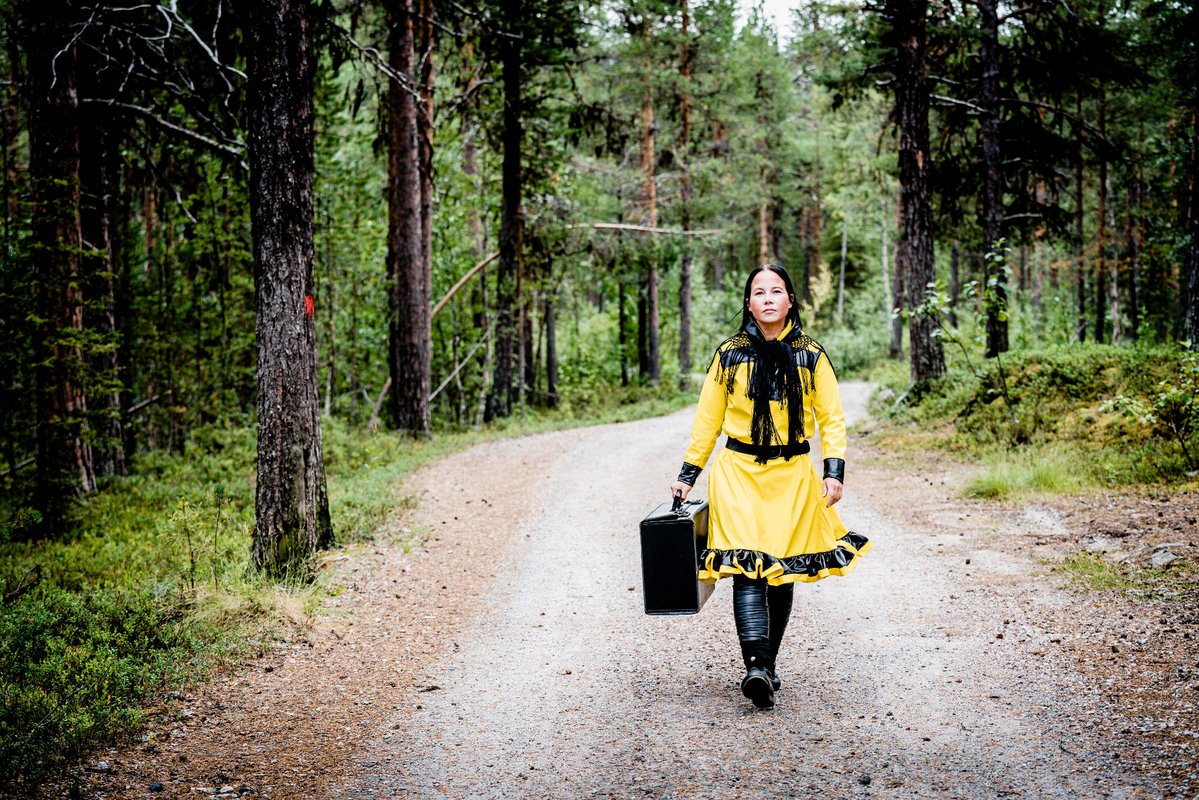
pixel 1091 572
pixel 151 588
pixel 1052 469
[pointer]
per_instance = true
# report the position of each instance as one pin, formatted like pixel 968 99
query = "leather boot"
pixel 757 684
pixel 778 604
pixel 753 630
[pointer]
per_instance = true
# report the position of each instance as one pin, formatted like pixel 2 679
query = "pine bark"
pixel 426 42
pixel 99 188
pixel 1080 279
pixel 292 505
pixel 649 216
pixel 685 60
pixel 992 185
pixel 1191 262
pixel 915 250
pixel 410 351
pixel 511 217
pixel 64 458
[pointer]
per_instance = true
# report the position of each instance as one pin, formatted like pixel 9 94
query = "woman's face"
pixel 768 299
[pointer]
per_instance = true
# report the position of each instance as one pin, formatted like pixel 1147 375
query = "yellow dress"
pixel 769 520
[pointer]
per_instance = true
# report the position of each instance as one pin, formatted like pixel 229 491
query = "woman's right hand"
pixel 679 489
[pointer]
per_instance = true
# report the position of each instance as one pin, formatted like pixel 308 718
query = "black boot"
pixel 758 683
pixel 753 629
pixel 778 604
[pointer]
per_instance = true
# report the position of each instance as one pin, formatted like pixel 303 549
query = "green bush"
pixel 1123 414
pixel 75 667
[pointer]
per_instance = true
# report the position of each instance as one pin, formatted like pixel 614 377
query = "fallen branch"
pixel 458 368
pixel 462 282
pixel 20 466
pixel 373 424
pixel 617 226
pixel 28 582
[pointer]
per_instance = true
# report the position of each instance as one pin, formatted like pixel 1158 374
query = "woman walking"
pixel 771 519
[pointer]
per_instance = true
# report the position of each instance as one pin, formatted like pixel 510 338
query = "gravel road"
pixel 930 672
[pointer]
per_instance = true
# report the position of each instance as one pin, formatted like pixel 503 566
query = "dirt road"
pixel 913 677
pixel 508 655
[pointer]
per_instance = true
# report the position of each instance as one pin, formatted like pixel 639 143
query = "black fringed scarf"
pixel 777 372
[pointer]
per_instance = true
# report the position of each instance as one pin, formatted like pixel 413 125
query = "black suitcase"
pixel 671 541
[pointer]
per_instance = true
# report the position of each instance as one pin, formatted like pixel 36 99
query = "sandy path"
pixel 932 671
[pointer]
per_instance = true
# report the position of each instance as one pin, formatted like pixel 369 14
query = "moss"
pixel 1026 407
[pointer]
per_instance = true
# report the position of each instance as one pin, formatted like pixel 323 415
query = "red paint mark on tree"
pixel 309 305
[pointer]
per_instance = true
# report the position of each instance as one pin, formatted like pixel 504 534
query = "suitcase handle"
pixel 678 502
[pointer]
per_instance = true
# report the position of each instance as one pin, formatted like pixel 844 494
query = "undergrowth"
pixel 1054 420
pixel 1090 571
pixel 151 588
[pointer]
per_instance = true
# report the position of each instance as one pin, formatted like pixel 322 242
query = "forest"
pixel 309 234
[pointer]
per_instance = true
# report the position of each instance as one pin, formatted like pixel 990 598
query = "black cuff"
pixel 835 468
pixel 689 473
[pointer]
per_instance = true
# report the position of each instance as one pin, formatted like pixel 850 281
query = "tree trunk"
pixel 915 252
pixel 763 218
pixel 955 282
pixel 329 301
pixel 622 330
pixel 528 365
pixel 511 216
pixel 1101 287
pixel 1038 280
pixel 551 351
pixel 467 83
pixel 649 216
pixel 1132 250
pixel 410 347
pixel 426 41
pixel 685 60
pixel 898 296
pixel 841 279
pixel 883 257
pixel 1191 259
pixel 803 287
pixel 642 335
pixel 992 185
pixel 1080 281
pixel 99 187
pixel 64 457
pixel 292 504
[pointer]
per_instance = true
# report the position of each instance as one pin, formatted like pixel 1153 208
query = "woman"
pixel 771 520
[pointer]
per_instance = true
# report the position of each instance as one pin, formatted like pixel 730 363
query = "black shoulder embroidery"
pixel 736 350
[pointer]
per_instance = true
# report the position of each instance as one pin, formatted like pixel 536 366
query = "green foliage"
pixel 1061 418
pixel 1171 410
pixel 73 667
pixel 862 339
pixel 154 588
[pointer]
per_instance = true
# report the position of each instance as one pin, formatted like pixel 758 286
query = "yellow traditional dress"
pixel 769 520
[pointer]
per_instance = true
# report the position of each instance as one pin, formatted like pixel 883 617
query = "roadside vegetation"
pixel 1069 424
pixel 154 589
pixel 1056 419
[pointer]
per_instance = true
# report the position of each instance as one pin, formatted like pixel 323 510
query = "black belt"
pixel 768 451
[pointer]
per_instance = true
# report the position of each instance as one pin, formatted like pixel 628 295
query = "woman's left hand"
pixel 832 490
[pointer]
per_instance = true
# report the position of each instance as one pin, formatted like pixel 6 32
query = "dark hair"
pixel 777 269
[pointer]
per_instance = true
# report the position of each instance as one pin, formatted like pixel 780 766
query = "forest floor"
pixel 508 655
